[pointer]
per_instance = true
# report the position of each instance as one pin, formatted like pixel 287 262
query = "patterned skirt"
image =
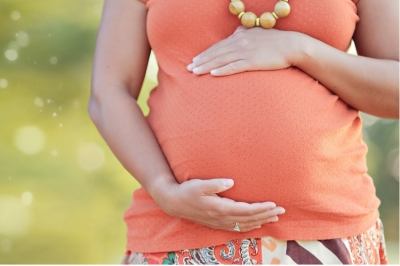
pixel 366 248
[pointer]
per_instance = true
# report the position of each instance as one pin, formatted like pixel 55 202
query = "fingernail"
pixel 195 59
pixel 258 226
pixel 196 70
pixel 281 211
pixel 228 182
pixel 214 72
pixel 190 67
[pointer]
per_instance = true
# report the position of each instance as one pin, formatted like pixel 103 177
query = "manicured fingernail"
pixel 190 67
pixel 214 72
pixel 195 59
pixel 228 182
pixel 281 211
pixel 258 226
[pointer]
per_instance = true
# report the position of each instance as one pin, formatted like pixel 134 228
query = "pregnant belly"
pixel 273 133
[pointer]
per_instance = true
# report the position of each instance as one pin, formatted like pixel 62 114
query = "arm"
pixel 369 82
pixel 121 57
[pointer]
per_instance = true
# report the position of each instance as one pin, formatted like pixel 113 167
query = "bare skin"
pixel 121 58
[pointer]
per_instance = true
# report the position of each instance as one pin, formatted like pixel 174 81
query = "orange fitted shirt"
pixel 280 135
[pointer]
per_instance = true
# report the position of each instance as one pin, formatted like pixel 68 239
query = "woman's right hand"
pixel 197 200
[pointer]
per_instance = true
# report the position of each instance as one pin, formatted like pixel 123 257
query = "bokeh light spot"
pixel 54 60
pixel 22 38
pixel 15 218
pixel 26 198
pixel 3 83
pixel 15 15
pixel 11 55
pixel 38 102
pixel 90 156
pixel 29 139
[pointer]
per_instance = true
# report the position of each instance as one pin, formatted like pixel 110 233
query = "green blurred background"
pixel 62 192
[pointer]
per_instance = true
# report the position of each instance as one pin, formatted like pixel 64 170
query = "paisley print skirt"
pixel 366 248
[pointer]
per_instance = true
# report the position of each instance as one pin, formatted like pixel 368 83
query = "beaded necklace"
pixel 267 20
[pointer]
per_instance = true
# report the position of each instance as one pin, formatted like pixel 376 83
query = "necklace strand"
pixel 267 20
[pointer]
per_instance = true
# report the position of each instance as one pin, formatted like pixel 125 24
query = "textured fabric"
pixel 281 135
pixel 366 248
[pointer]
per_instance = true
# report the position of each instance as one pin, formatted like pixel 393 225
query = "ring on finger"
pixel 236 228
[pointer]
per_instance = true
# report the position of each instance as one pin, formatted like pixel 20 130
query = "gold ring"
pixel 236 228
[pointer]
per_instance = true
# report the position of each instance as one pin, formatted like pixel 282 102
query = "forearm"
pixel 367 84
pixel 123 126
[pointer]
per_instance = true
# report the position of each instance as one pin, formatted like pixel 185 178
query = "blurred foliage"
pixel 62 193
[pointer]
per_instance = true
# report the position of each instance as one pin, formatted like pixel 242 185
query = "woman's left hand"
pixel 249 50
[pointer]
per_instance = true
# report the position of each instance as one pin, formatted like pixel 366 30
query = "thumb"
pixel 214 186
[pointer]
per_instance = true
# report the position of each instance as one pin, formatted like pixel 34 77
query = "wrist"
pixel 302 48
pixel 162 190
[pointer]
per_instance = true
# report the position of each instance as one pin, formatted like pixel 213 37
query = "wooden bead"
pixel 282 9
pixel 236 7
pixel 249 19
pixel 267 20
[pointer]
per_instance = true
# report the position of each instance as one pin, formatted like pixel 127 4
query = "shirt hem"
pixel 297 233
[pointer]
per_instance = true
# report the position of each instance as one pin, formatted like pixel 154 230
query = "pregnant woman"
pixel 252 152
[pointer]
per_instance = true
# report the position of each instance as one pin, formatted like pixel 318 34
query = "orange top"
pixel 281 135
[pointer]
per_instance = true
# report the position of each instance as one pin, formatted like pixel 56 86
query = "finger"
pixel 221 45
pixel 227 207
pixel 245 227
pixel 218 49
pixel 232 68
pixel 209 55
pixel 213 186
pixel 247 223
pixel 216 63
pixel 242 227
pixel 231 227
pixel 260 218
